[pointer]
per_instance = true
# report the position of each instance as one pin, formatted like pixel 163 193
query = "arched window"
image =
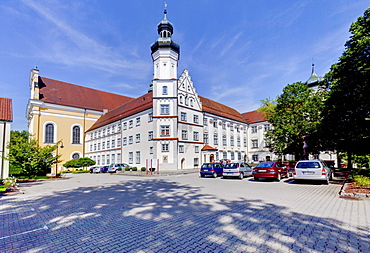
pixel 164 90
pixel 76 135
pixel 75 156
pixel 49 133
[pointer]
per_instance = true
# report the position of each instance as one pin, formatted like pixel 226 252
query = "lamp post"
pixel 305 146
pixel 56 164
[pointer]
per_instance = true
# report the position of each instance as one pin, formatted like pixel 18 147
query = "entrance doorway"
pixel 182 163
pixel 212 158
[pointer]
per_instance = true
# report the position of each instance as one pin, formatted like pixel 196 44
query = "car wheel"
pixel 278 177
pixel 327 180
pixel 201 175
pixel 256 178
pixel 241 175
pixel 215 175
pixel 331 177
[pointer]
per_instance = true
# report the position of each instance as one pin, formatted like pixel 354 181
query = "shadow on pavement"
pixel 161 216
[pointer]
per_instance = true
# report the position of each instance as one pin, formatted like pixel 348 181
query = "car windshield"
pixel 308 165
pixel 231 165
pixel 207 165
pixel 265 165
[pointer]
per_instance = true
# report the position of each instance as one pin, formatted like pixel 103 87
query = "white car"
pixel 312 170
pixel 239 170
pixel 113 167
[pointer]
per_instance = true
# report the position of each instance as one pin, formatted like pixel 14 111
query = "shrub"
pixel 9 182
pixel 361 180
pixel 134 168
pixel 80 171
pixel 127 168
pixel 119 168
pixel 143 169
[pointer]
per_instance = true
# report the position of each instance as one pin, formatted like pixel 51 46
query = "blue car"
pixel 104 169
pixel 211 169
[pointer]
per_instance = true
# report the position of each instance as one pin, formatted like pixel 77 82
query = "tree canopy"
pixel 80 162
pixel 294 114
pixel 348 104
pixel 27 157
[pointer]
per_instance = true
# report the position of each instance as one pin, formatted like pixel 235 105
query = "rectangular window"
pixel 113 143
pixel 130 124
pixel 164 90
pixel 108 144
pixel 238 142
pixel 124 142
pixel 165 109
pixel 98 160
pixel 196 136
pixel 137 121
pixel 245 142
pixel 232 155
pixel 137 157
pixel 98 146
pixel 99 133
pixel 118 142
pixel 137 138
pixel 215 139
pixel 205 121
pixel 103 159
pixel 184 134
pixel 151 150
pixel 214 122
pixel 223 125
pixel 113 158
pixel 239 155
pixel 196 149
pixel 108 131
pixel 150 117
pixel 254 129
pixel 95 135
pixel 255 158
pixel 181 148
pixel 150 135
pixel 231 127
pixel 94 146
pixel 196 119
pixel 254 143
pixel 232 141
pixel 103 132
pixel 165 147
pixel 266 127
pixel 183 116
pixel 103 145
pixel 130 157
pixel 224 140
pixel 224 154
pixel 91 147
pixel 196 162
pixel 130 139
pixel 118 158
pixel 165 130
pixel 113 128
pixel 125 126
pixel 217 155
pixel 205 138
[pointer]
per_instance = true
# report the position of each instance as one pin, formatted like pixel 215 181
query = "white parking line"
pixel 20 211
pixel 27 232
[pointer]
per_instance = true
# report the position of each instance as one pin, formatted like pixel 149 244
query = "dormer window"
pixel 164 90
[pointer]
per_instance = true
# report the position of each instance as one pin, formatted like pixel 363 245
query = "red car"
pixel 270 170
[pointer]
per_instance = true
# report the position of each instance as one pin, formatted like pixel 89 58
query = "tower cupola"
pixel 165 31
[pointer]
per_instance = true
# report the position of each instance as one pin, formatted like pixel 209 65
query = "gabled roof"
pixel 62 93
pixel 254 117
pixel 209 148
pixel 6 112
pixel 134 106
pixel 216 108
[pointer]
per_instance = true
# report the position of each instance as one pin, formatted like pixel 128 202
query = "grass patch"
pixel 2 188
pixel 361 180
pixel 25 178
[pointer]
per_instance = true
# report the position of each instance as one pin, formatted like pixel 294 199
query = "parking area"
pixel 181 213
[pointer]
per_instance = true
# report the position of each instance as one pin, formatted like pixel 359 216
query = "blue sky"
pixel 237 52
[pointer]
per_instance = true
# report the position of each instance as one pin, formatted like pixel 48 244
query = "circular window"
pixel 75 156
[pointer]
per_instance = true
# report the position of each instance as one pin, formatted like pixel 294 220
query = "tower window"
pixel 164 90
pixel 75 156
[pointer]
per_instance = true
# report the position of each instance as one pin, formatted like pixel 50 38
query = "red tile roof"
pixel 134 106
pixel 61 93
pixel 208 147
pixel 216 108
pixel 254 117
pixel 6 112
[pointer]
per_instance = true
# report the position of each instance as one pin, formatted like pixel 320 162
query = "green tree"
pixel 344 125
pixel 294 114
pixel 27 157
pixel 80 162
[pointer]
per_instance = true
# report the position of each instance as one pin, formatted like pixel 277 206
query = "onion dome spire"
pixel 314 78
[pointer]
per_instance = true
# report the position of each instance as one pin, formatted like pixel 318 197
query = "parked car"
pixel 270 170
pixel 95 169
pixel 239 170
pixel 113 167
pixel 211 169
pixel 104 169
pixel 312 170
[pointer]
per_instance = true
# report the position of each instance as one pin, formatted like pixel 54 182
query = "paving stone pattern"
pixel 181 213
